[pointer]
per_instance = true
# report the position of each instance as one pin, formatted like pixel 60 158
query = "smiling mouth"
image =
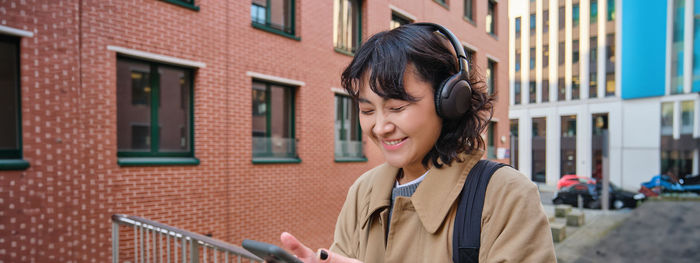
pixel 393 142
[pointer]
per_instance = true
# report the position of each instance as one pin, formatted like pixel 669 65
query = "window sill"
pixel 275 31
pixel 273 160
pixel 350 159
pixel 442 4
pixel 13 164
pixel 470 21
pixel 156 161
pixel 344 52
pixel 182 4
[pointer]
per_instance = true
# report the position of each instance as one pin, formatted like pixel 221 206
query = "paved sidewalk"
pixel 579 239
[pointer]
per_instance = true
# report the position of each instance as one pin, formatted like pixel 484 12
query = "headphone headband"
pixel 461 56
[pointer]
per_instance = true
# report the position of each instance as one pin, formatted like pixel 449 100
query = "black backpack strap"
pixel 467 228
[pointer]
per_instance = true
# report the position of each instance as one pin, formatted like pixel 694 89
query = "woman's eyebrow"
pixel 363 100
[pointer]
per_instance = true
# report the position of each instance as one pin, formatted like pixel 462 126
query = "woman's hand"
pixel 291 244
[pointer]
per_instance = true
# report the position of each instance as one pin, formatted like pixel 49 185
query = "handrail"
pixel 164 229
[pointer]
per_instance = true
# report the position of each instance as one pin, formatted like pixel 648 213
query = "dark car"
pixel 591 196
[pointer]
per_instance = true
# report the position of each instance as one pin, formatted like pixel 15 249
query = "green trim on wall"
pixel 13 164
pixel 183 4
pixel 275 31
pixel 272 160
pixel 350 159
pixel 156 161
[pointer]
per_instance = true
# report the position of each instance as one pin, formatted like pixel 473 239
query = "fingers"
pixel 326 256
pixel 293 245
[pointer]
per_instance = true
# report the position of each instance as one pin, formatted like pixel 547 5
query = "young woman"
pixel 404 210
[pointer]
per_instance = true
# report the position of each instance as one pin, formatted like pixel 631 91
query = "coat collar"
pixel 433 198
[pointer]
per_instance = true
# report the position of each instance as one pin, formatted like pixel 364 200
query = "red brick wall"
pixel 58 210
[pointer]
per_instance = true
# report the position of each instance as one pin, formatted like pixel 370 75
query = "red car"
pixel 571 179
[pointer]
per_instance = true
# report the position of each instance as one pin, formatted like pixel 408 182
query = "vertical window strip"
pixel 10 102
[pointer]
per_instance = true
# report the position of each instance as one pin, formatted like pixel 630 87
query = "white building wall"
pixel 641 143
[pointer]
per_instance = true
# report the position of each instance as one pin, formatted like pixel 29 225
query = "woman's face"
pixel 405 131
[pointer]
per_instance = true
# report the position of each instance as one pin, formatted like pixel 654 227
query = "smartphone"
pixel 269 252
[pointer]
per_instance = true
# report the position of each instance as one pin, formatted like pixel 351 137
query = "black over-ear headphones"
pixel 453 95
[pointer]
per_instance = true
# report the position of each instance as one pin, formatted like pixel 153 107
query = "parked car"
pixel 571 179
pixel 591 196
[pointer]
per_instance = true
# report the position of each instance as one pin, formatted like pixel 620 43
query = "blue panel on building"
pixel 643 48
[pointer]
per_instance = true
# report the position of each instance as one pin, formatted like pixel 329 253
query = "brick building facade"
pixel 71 161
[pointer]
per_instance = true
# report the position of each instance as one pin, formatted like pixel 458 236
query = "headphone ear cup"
pixel 453 98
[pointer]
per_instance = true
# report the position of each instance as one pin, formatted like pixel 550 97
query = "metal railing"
pixel 156 242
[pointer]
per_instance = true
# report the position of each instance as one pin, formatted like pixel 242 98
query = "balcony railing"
pixel 156 242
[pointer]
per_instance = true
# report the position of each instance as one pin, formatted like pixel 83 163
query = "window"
pixel 575 87
pixel 348 134
pixel 545 57
pixel 517 61
pixel 532 58
pixel 562 48
pixel 667 118
pixel 491 76
pixel 154 109
pixel 469 9
pixel 574 51
pixel 273 122
pixel 575 14
pixel 568 145
pixel 276 16
pixel 347 24
pixel 611 9
pixel 562 17
pixel 398 20
pixel 593 67
pixel 517 27
pixel 491 18
pixel 514 143
pixel 184 3
pixel 533 92
pixel 687 116
pixel 545 21
pixel 490 133
pixel 471 56
pixel 517 91
pixel 533 24
pixel 545 90
pixel 10 108
pixel 594 11
pixel 677 47
pixel 610 66
pixel 539 149
pixel 561 96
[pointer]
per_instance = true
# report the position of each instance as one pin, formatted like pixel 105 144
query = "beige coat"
pixel 514 227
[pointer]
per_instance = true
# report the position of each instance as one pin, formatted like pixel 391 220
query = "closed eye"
pixel 400 108
pixel 366 112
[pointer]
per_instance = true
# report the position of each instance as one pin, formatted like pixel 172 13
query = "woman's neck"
pixel 411 173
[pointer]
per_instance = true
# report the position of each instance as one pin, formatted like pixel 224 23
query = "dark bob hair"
pixel 386 55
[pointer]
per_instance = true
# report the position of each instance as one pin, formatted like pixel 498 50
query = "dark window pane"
pixel 491 76
pixel 517 27
pixel 9 92
pixel 545 21
pixel 173 118
pixel 611 10
pixel 514 143
pixel 545 57
pixel 533 92
pixel 561 53
pixel 575 14
pixel 133 106
pixel 532 58
pixel 491 149
pixel 594 11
